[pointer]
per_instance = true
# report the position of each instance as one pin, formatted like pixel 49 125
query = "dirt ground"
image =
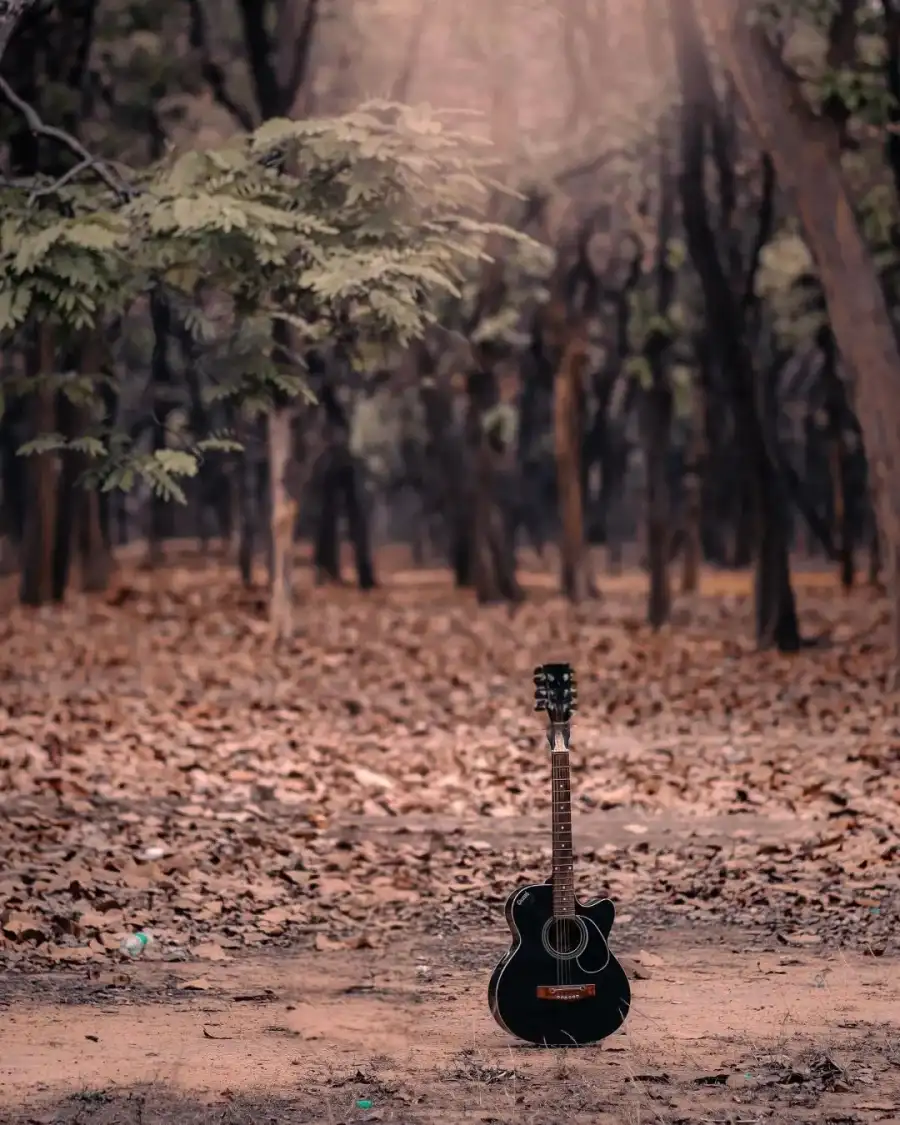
pixel 320 842
pixel 716 1034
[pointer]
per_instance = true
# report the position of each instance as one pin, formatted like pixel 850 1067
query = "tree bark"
pixel 843 522
pixel 252 495
pixel 695 464
pixel 283 516
pixel 327 550
pixel 92 546
pixel 658 403
pixel 40 514
pixel 493 562
pixel 656 418
pixel 358 524
pixel 806 156
pixel 159 521
pixel 568 428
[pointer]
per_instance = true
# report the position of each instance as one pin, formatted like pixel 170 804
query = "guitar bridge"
pixel 565 992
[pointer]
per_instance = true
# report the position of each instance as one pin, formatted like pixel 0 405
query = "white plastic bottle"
pixel 135 944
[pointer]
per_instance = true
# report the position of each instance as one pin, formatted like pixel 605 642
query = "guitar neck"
pixel 561 791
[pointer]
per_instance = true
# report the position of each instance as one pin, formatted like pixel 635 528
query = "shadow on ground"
pixel 157 1106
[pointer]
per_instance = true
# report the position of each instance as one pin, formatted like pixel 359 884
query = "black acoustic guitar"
pixel 559 985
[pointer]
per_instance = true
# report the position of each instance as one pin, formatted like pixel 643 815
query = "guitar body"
pixel 558 985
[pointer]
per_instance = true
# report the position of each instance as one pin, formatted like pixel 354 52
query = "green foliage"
pixel 503 421
pixel 638 368
pixel 786 280
pixel 70 272
pixel 647 326
pixel 348 228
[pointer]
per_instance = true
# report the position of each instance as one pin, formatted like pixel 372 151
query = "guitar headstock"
pixel 555 691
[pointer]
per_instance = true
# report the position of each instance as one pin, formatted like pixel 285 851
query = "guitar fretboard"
pixel 563 864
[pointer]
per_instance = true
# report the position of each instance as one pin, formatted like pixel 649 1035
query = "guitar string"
pixel 553 784
pixel 555 926
pixel 554 771
pixel 563 944
pixel 562 927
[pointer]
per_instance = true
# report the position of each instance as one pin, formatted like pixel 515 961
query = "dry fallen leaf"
pixel 326 944
pixel 400 772
pixel 73 954
pixel 800 939
pixel 198 984
pixel 23 927
pixel 650 960
pixel 210 951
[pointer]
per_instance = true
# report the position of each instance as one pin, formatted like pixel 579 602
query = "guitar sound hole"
pixel 565 938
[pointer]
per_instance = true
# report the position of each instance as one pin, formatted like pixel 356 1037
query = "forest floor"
pixel 320 841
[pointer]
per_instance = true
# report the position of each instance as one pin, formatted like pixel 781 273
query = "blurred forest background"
pixel 469 277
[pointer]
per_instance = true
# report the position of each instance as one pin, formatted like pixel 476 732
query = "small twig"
pixel 40 129
pixel 75 170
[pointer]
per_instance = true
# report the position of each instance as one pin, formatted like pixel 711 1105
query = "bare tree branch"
pixel 87 161
pixel 49 189
pixel 11 11
pixel 212 72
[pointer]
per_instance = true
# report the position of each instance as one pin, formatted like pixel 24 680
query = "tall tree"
pixel 776 615
pixel 805 150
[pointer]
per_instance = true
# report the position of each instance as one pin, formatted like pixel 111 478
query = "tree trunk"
pixel 358 528
pixel 841 515
pixel 568 428
pixel 486 578
pixel 15 472
pixel 40 515
pixel 252 494
pixel 327 550
pixel 283 514
pixel 450 489
pixel 492 550
pixel 776 616
pixel 92 545
pixel 692 555
pixel 68 496
pixel 160 515
pixel 96 563
pixel 656 411
pixel 843 502
pixel 658 398
pixel 775 608
pixel 806 156
pixel 874 576
pixel 776 612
